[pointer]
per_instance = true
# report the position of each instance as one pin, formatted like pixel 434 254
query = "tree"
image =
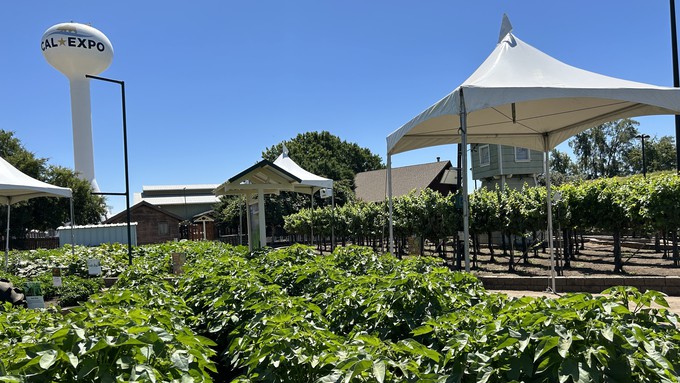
pixel 659 155
pixel 48 212
pixel 14 152
pixel 562 168
pixel 87 207
pixel 328 156
pixel 602 151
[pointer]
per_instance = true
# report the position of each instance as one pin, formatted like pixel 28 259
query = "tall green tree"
pixel 603 151
pixel 562 168
pixel 47 212
pixel 326 155
pixel 659 155
pixel 16 154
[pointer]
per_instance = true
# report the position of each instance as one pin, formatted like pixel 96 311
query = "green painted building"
pixel 505 166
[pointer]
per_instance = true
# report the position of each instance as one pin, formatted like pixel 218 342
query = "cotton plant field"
pixel 290 315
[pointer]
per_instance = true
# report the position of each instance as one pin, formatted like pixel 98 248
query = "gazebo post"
pixel 240 222
pixel 389 202
pixel 260 216
pixel 248 223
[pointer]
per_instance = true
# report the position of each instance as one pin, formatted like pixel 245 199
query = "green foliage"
pixel 74 289
pixel 426 214
pixel 602 151
pixel 288 315
pixel 33 263
pixel 371 317
pixel 118 335
pixel 659 155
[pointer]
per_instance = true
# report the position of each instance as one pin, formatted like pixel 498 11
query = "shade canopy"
pixel 264 175
pixel 16 186
pixel 520 96
pixel 309 183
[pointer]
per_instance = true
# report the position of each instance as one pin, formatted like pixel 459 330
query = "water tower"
pixel 77 50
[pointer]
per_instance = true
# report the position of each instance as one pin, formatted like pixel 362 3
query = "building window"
pixel 484 155
pixel 522 155
pixel 163 228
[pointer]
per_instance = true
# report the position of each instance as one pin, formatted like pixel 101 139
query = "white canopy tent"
pixel 267 177
pixel 521 96
pixel 16 186
pixel 309 183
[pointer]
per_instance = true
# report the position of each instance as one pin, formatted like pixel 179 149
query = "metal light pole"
pixel 186 213
pixel 125 154
pixel 642 137
pixel 676 82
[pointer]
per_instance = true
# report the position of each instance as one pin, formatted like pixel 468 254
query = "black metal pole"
pixel 676 82
pixel 127 173
pixel 644 160
pixel 642 138
pixel 125 153
pixel 459 175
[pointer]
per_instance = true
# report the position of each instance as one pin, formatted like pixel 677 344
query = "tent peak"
pixel 506 28
pixel 284 152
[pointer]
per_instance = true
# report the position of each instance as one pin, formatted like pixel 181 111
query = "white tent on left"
pixel 16 186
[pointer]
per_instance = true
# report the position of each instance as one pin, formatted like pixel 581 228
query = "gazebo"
pixel 266 177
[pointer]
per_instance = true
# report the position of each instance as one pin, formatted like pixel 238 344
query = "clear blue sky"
pixel 211 84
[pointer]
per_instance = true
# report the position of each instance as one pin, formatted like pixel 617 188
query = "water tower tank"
pixel 77 50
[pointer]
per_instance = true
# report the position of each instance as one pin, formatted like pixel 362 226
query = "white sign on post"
pixel 56 277
pixel 94 267
pixel 34 295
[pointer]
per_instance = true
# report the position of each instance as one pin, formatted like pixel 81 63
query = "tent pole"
pixel 73 242
pixel 389 202
pixel 466 218
pixel 7 235
pixel 546 166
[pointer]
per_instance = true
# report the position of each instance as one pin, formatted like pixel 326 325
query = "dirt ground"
pixel 596 259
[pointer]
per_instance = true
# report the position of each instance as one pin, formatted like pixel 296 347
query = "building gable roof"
pixel 121 216
pixel 371 186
